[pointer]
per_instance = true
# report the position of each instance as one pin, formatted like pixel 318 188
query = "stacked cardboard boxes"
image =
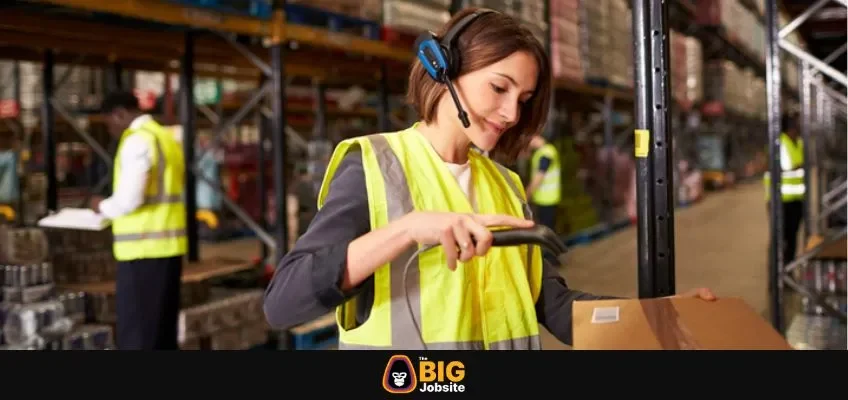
pixel 415 16
pixel 595 44
pixel 677 58
pixel 619 65
pixel 566 56
pixel 694 70
pixel 531 13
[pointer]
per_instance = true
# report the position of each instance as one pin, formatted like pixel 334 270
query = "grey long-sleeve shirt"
pixel 307 282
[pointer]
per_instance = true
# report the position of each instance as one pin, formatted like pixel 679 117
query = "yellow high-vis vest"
pixel 488 302
pixel 792 186
pixel 550 191
pixel 157 229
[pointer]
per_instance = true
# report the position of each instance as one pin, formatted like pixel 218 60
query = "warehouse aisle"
pixel 721 243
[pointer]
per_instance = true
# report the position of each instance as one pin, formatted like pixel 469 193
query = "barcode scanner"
pixel 442 59
pixel 538 235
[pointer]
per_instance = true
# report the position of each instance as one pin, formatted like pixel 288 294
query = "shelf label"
pixel 642 142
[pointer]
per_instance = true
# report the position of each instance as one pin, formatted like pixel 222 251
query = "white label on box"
pixel 604 315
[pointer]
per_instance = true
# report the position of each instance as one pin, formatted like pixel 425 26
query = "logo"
pixel 402 376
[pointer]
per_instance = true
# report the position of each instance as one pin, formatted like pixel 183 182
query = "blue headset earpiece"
pixel 442 60
pixel 432 56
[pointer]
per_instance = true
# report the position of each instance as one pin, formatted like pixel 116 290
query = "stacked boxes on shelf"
pixel 686 69
pixel 677 59
pixel 81 89
pixel 694 70
pixel 33 314
pixel 745 28
pixel 595 43
pixel 370 10
pixel 414 16
pixel 531 13
pixel 565 40
pixel 619 57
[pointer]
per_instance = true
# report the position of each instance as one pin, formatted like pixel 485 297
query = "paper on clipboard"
pixel 76 218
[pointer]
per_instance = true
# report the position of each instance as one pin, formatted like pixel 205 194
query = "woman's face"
pixel 494 95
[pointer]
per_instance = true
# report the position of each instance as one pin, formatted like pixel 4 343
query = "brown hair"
pixel 487 40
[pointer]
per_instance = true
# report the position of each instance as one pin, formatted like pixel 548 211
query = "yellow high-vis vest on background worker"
pixel 488 302
pixel 792 170
pixel 157 229
pixel 550 191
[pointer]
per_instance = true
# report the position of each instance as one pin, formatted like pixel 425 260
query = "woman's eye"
pixel 498 89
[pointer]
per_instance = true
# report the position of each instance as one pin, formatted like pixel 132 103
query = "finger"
pixel 482 236
pixel 449 248
pixel 706 294
pixel 503 220
pixel 463 240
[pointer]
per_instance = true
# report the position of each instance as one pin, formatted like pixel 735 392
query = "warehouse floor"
pixel 721 243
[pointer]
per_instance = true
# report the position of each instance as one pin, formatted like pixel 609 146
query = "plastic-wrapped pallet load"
pixel 677 58
pixel 415 15
pixel 694 70
pixel 565 40
pixel 595 39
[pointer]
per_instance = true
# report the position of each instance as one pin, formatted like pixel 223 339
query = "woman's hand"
pixel 699 293
pixel 458 233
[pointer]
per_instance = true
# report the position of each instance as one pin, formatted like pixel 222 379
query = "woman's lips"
pixel 498 129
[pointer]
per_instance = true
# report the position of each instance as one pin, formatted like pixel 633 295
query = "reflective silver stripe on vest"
pixel 177 233
pixel 162 197
pixel 404 336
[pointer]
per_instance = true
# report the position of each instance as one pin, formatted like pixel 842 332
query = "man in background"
pixel 148 223
pixel 544 189
pixel 792 187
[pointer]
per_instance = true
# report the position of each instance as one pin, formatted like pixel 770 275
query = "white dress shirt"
pixel 135 156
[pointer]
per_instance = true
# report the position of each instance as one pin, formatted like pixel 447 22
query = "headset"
pixel 441 57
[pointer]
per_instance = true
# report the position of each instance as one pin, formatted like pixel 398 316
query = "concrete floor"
pixel 721 243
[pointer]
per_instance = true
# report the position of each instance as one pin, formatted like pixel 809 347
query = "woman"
pixel 386 195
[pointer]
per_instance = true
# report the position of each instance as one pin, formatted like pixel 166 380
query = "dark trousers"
pixel 148 303
pixel 793 214
pixel 546 215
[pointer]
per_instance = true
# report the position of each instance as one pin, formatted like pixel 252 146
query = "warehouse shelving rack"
pixel 162 36
pixel 825 189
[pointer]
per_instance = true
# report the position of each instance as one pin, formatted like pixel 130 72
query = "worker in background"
pixel 148 223
pixel 545 188
pixel 385 195
pixel 792 187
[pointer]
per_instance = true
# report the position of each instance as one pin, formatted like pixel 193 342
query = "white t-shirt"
pixel 462 173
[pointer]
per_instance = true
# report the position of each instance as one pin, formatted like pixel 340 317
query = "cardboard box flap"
pixel 672 324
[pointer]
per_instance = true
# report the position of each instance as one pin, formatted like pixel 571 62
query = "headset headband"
pixel 453 32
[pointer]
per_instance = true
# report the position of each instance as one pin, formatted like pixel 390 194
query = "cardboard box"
pixel 672 324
